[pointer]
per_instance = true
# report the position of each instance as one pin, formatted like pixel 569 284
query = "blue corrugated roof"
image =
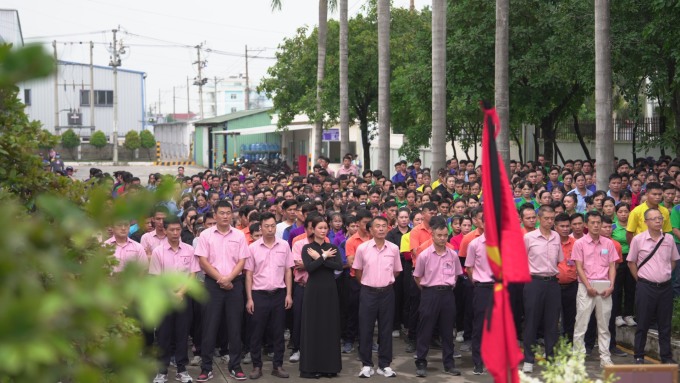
pixel 99 67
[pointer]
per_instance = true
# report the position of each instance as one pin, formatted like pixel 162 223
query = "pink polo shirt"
pixel 151 240
pixel 658 268
pixel 130 252
pixel 595 255
pixel 223 251
pixel 164 259
pixel 300 276
pixel 436 269
pixel 478 260
pixel 378 265
pixel 544 253
pixel 269 264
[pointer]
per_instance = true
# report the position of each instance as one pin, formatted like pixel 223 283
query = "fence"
pixel 623 129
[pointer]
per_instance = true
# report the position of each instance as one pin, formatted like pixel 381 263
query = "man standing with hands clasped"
pixel 269 289
pixel 436 272
pixel 651 260
pixel 222 251
pixel 376 264
pixel 595 258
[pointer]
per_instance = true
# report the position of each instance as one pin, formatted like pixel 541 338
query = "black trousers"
pixel 407 272
pixel 542 305
pixel 481 303
pixel 437 309
pixel 464 311
pixel 654 302
pixel 351 330
pixel 298 298
pixel 568 292
pixel 196 328
pixel 376 305
pixel 413 312
pixel 268 318
pixel 398 286
pixel 173 334
pixel 516 291
pixel 624 291
pixel 227 305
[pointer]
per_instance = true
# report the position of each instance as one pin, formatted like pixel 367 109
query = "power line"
pixel 64 35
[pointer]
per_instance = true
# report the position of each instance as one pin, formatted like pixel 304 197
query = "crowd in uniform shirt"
pixel 404 250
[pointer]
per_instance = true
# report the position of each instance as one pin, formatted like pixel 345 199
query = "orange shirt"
pixel 618 250
pixel 304 236
pixel 567 268
pixel 351 247
pixel 462 253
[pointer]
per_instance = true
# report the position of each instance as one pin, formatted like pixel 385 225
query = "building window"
pixel 233 109
pixel 233 96
pixel 27 97
pixel 101 98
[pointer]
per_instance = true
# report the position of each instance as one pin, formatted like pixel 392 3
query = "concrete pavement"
pixel 141 170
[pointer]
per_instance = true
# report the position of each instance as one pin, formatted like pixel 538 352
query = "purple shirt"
pixel 378 265
pixel 294 233
pixel 658 268
pixel 222 250
pixel 478 260
pixel 164 259
pixel 269 264
pixel 544 253
pixel 595 255
pixel 436 269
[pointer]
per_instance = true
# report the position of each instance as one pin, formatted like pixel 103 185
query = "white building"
pixel 227 95
pixel 10 28
pixel 72 109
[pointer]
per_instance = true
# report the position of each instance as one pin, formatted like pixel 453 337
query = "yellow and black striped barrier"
pixel 169 163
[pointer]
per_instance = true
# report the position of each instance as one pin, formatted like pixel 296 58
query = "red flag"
pixel 507 258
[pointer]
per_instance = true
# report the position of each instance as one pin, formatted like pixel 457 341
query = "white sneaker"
pixel 630 321
pixel 286 335
pixel 247 359
pixel 395 334
pixel 160 378
pixel 620 322
pixel 183 377
pixel 196 360
pixel 528 368
pixel 606 362
pixel 366 372
pixel 459 337
pixel 224 359
pixel 295 357
pixel 387 372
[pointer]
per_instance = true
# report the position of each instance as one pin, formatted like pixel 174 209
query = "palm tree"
pixel 604 131
pixel 344 79
pixel 438 84
pixel 412 7
pixel 320 70
pixel 502 89
pixel 383 86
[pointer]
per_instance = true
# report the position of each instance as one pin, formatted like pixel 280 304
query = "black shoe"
pixel 479 370
pixel 410 347
pixel 452 371
pixel 436 344
pixel 669 361
pixel 618 352
pixel 589 351
pixel 639 360
pixel 309 375
pixel 421 372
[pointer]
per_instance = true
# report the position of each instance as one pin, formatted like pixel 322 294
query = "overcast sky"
pixel 226 26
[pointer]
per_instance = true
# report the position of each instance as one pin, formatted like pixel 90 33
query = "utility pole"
pixel 200 81
pixel 159 103
pixel 174 111
pixel 91 86
pixel 56 89
pixel 188 97
pixel 115 63
pixel 247 90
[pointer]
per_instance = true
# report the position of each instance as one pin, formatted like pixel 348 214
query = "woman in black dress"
pixel 320 338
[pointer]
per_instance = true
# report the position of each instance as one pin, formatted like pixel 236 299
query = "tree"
pixel 148 141
pixel 344 78
pixel 70 140
pixel 438 84
pixel 384 75
pixel 98 139
pixel 132 140
pixel 604 131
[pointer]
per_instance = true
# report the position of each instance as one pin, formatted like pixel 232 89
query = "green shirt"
pixel 675 220
pixel 619 235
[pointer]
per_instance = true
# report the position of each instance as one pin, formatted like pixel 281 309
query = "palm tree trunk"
pixel 412 7
pixel 604 131
pixel 344 81
pixel 384 86
pixel 502 89
pixel 438 84
pixel 321 66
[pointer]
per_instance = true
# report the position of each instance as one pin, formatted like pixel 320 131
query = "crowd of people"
pixel 317 260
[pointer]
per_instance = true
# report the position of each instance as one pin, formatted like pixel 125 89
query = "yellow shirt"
pixel 405 245
pixel 435 184
pixel 636 219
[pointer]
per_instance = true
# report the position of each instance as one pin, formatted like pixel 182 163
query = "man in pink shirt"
pixel 126 250
pixel 376 264
pixel 222 251
pixel 436 272
pixel 479 271
pixel 347 167
pixel 269 290
pixel 174 256
pixel 542 296
pixel 595 258
pixel 152 239
pixel 654 292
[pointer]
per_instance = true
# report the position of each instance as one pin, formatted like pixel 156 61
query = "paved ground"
pixel 403 364
pixel 139 170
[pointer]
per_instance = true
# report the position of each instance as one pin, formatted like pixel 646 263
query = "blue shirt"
pixel 580 200
pixel 399 177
